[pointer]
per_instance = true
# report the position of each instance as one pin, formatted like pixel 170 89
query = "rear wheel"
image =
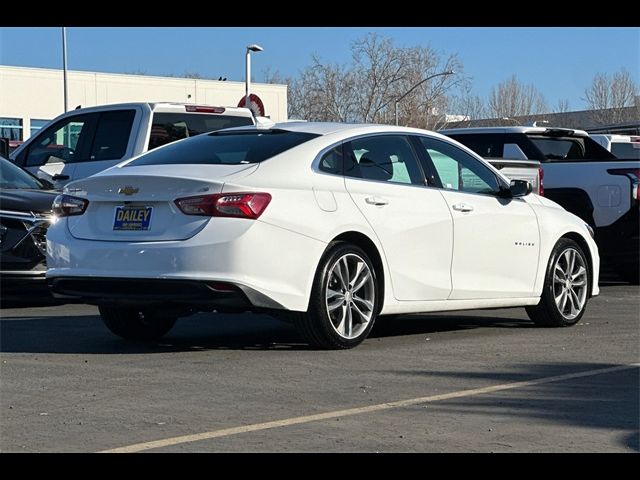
pixel 136 324
pixel 566 287
pixel 344 300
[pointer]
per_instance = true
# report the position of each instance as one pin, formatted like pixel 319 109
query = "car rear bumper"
pixel 139 291
pixel 272 267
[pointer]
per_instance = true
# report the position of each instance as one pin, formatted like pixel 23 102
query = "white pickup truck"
pixel 582 176
pixel 622 146
pixel 85 141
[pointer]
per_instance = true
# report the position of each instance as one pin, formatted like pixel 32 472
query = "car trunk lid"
pixel 137 203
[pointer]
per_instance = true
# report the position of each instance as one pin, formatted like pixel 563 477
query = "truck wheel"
pixel 344 300
pixel 136 324
pixel 566 287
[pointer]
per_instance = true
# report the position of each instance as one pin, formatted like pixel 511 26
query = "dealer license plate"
pixel 132 218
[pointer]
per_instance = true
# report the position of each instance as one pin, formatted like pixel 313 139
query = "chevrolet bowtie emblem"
pixel 128 190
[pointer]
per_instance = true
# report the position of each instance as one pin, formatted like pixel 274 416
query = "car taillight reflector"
pixel 239 205
pixel 204 109
pixel 68 206
pixel 540 181
pixel 632 174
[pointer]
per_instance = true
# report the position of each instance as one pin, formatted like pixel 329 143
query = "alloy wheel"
pixel 350 296
pixel 570 283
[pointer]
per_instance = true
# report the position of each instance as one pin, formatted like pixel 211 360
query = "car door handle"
pixel 376 201
pixel 462 207
pixel 57 176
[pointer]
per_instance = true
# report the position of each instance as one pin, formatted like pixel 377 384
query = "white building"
pixel 30 97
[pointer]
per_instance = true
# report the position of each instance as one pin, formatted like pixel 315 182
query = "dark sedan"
pixel 25 215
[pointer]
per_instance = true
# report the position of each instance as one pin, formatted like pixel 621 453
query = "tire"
pixel 566 287
pixel 135 324
pixel 340 316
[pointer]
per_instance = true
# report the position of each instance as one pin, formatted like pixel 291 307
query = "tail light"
pixel 239 205
pixel 632 174
pixel 540 181
pixel 68 206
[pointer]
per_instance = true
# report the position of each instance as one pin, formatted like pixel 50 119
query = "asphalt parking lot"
pixel 482 381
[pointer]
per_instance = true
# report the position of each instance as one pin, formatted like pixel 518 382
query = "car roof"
pixel 326 128
pixel 162 106
pixel 514 129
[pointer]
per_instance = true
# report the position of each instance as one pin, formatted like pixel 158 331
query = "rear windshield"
pixel 570 148
pixel 626 150
pixel 225 148
pixel 169 127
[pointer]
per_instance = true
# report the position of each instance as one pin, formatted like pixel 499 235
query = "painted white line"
pixel 225 432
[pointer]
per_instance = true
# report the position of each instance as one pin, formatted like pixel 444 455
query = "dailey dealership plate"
pixel 132 218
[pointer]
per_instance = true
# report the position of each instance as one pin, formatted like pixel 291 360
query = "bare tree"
pixel 468 105
pixel 194 75
pixel 562 106
pixel 365 89
pixel 138 71
pixel 608 95
pixel 513 99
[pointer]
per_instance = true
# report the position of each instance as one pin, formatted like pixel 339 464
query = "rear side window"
pixel 384 158
pixel 169 127
pixel 331 162
pixel 112 135
pixel 225 148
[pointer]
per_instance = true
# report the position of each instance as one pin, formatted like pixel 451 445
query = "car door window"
pixel 386 158
pixel 61 143
pixel 457 170
pixel 112 135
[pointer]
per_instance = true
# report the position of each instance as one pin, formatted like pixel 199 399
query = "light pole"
pixel 64 67
pixel 250 48
pixel 397 100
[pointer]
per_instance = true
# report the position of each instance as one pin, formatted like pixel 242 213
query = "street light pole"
pixel 64 67
pixel 397 100
pixel 250 48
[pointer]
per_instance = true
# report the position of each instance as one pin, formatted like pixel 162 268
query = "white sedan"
pixel 326 225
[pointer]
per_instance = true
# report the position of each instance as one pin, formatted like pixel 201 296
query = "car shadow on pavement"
pixel 87 333
pixel 608 401
pixel 432 323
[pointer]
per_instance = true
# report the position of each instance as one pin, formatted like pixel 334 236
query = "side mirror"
pixel 520 188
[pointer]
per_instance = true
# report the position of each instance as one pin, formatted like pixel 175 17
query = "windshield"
pixel 225 148
pixel 12 176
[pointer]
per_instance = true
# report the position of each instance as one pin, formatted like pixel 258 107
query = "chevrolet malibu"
pixel 324 225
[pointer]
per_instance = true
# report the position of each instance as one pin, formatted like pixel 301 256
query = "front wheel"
pixel 136 324
pixel 566 287
pixel 344 300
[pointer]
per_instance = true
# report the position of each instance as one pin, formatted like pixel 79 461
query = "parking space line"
pixel 225 432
